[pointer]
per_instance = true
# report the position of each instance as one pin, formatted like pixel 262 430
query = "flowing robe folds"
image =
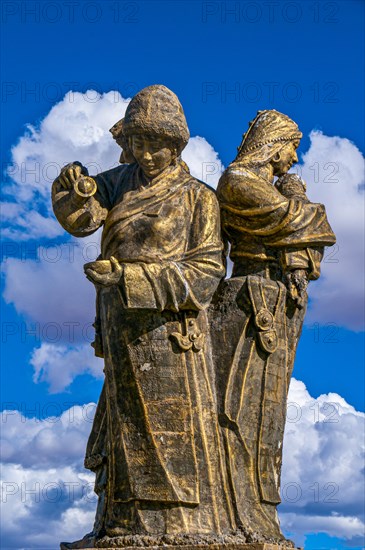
pixel 155 440
pixel 255 330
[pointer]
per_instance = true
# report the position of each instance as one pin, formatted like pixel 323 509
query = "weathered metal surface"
pixel 187 438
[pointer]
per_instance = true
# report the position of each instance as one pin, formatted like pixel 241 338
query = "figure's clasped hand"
pixel 300 280
pixel 104 272
pixel 296 283
pixel 70 174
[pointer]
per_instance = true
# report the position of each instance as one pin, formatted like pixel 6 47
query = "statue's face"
pixel 287 157
pixel 153 155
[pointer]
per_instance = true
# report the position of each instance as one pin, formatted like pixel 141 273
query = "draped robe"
pixel 155 440
pixel 255 330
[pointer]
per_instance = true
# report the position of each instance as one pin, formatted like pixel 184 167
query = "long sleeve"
pixel 256 208
pixel 187 282
pixel 78 217
pixel 82 217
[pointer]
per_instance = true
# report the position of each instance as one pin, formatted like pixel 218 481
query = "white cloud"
pixel 73 126
pixel 47 496
pixel 59 365
pixel 53 293
pixel 323 464
pixel 74 129
pixel 342 527
pixel 58 303
pixel 52 290
pixel 48 442
pixel 203 161
pixel 333 168
pixel 44 506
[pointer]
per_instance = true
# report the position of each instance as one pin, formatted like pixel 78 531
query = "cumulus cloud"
pixel 44 506
pixel 74 129
pixel 51 290
pixel 47 496
pixel 323 465
pixel 59 365
pixel 51 441
pixel 203 161
pixel 333 168
pixel 58 304
pixel 349 529
pixel 46 489
pixel 47 284
pixel 77 128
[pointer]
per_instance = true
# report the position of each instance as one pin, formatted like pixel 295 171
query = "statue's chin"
pixel 151 174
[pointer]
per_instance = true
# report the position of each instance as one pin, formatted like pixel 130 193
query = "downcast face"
pixel 153 155
pixel 287 157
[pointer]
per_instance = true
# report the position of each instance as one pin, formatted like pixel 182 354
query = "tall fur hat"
pixel 156 110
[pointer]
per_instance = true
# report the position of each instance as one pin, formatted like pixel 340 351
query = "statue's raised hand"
pixel 70 174
pixel 104 272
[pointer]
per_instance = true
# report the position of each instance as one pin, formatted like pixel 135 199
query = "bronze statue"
pixel 186 440
pixel 257 315
pixel 155 435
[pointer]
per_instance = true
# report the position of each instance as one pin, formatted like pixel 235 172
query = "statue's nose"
pixel 147 155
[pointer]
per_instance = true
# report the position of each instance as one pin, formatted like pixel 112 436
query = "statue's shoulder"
pixel 202 195
pixel 235 176
pixel 200 187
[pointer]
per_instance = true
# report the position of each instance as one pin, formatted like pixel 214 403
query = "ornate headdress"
pixel 156 110
pixel 266 135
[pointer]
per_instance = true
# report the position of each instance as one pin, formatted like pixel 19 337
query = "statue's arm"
pixel 188 283
pixel 255 207
pixel 79 215
pixel 240 187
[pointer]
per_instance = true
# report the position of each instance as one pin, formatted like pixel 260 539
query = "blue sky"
pixel 225 60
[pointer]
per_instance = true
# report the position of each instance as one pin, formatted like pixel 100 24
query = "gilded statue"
pixel 187 436
pixel 276 237
pixel 155 438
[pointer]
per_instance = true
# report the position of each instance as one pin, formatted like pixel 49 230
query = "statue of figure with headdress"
pixel 276 239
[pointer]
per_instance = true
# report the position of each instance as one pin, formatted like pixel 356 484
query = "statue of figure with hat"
pixel 154 444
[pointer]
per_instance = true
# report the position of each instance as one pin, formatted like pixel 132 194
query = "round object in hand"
pixel 85 186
